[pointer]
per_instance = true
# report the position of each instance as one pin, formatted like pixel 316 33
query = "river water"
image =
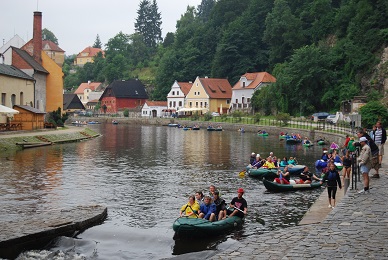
pixel 144 174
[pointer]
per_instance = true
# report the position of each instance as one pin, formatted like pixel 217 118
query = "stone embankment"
pixel 26 232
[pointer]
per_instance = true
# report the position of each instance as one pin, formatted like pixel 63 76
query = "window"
pixel 190 104
pixel 228 101
pixel 3 98
pixel 177 93
pixel 248 100
pixel 196 104
pixel 174 103
pixel 199 93
pixel 244 84
pixel 173 93
pixel 180 103
pixel 205 104
pixel 200 104
pixel 13 100
pixel 236 100
pixel 170 103
pixel 21 98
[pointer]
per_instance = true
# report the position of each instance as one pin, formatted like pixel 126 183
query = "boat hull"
pixel 293 141
pixel 276 187
pixel 266 134
pixel 261 173
pixel 202 228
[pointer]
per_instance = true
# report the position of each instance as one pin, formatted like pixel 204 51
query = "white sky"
pixel 76 23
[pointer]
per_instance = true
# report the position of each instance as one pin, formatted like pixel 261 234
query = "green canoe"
pixel 265 134
pixel 321 142
pixel 276 187
pixel 308 145
pixel 263 173
pixel 283 136
pixel 201 228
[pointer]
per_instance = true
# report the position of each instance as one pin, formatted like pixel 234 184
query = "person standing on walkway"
pixel 365 163
pixel 380 136
pixel 333 178
pixel 374 160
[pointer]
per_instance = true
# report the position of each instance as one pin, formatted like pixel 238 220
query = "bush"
pixel 126 112
pixel 284 117
pixel 257 117
pixel 207 116
pixel 224 117
pixel 195 116
pixel 238 115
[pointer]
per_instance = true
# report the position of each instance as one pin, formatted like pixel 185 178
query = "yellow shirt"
pixel 269 165
pixel 188 209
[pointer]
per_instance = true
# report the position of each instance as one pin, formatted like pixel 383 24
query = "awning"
pixel 8 111
pixel 192 109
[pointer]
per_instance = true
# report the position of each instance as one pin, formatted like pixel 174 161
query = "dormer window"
pixel 243 84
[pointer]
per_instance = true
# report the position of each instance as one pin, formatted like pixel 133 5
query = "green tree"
pixel 148 23
pixel 168 40
pixel 372 112
pixel 204 9
pixel 97 42
pixel 49 35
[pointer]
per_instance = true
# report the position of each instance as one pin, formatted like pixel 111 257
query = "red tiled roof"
pixel 185 87
pixel 91 52
pixel 257 77
pixel 217 88
pixel 83 86
pixel 156 103
pixel 51 46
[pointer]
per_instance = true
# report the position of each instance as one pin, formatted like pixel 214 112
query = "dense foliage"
pixel 49 35
pixel 321 52
pixel 372 112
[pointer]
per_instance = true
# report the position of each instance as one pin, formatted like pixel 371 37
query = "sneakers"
pixel 332 207
pixel 329 206
pixel 361 192
pixel 375 176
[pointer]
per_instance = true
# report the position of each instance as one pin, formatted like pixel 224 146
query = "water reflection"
pixel 144 174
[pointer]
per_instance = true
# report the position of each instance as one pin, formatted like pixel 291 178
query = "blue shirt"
pixel 208 209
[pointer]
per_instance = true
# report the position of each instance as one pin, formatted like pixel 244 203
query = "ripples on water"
pixel 143 174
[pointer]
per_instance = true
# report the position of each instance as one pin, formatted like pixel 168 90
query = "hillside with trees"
pixel 321 52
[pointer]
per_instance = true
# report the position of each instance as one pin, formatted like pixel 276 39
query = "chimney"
pixel 37 37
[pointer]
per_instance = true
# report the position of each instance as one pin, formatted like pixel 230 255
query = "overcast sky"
pixel 76 23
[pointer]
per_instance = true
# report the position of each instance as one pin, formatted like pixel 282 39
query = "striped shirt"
pixel 378 135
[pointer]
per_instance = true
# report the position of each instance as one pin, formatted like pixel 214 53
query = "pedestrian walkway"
pixel 356 229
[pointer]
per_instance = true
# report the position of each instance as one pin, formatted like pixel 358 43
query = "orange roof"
pixel 257 78
pixel 156 103
pixel 185 87
pixel 91 52
pixel 83 86
pixel 51 46
pixel 217 88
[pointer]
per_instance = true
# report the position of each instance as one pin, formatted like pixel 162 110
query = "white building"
pixel 154 108
pixel 243 90
pixel 177 95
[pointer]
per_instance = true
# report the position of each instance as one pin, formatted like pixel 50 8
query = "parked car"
pixel 215 114
pixel 320 115
pixel 331 119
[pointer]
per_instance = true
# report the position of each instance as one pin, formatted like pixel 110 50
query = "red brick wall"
pixel 18 62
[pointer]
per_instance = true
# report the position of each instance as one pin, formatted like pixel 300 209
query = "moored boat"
pixel 321 142
pixel 262 134
pixel 283 136
pixel 210 128
pixel 308 145
pixel 201 228
pixel 276 187
pixel 294 169
pixel 115 122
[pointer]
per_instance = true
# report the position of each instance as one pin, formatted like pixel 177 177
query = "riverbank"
pixel 23 233
pixel 9 140
pixel 356 229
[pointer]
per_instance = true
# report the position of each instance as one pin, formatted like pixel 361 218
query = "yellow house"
pixel 87 55
pixel 209 95
pixel 54 84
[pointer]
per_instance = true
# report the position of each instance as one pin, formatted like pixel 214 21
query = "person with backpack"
pixel 374 150
pixel 333 178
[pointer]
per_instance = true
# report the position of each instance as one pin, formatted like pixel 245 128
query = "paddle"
pixel 237 209
pixel 242 173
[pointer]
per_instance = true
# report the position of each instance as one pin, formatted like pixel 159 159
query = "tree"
pixel 49 35
pixel 372 112
pixel 204 9
pixel 168 40
pixel 97 42
pixel 148 23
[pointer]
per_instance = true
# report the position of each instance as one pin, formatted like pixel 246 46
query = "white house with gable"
pixel 177 95
pixel 243 90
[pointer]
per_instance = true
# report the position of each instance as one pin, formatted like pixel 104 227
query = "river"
pixel 144 174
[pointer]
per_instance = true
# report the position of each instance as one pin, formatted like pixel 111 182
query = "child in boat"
pixel 283 162
pixel 332 177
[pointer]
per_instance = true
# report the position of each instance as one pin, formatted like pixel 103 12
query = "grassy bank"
pixel 8 142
